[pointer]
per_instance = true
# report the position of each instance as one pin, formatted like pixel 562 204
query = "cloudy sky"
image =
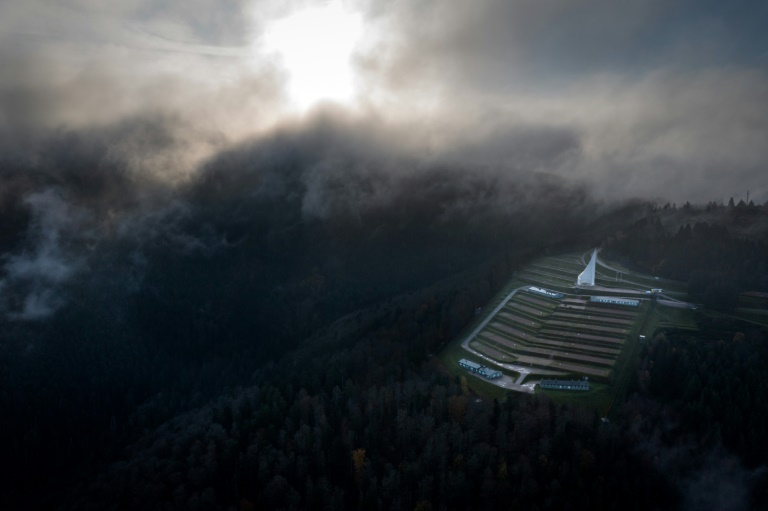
pixel 638 98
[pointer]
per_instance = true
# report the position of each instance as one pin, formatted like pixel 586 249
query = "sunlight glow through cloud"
pixel 316 46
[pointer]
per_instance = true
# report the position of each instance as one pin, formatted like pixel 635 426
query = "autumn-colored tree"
pixel 423 505
pixel 464 385
pixel 503 471
pixel 457 407
pixel 358 461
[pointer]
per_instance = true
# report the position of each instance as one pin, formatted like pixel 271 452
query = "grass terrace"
pixel 566 336
pixel 571 335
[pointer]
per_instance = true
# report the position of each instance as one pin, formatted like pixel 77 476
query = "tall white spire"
pixel 587 277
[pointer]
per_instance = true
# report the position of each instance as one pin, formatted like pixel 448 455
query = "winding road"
pixel 505 381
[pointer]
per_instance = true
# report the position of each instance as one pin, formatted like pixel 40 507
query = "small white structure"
pixel 479 369
pixel 587 277
pixel 545 292
pixel 564 385
pixel 615 300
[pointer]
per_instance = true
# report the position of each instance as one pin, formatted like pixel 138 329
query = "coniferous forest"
pixel 221 347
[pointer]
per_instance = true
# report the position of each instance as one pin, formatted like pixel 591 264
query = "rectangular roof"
pixel 469 363
pixel 579 384
pixel 615 300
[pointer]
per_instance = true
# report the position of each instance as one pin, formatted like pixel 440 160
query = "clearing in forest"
pixel 544 326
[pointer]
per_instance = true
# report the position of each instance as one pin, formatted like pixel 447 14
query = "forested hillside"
pixel 367 421
pixel 262 336
pixel 126 302
pixel 720 251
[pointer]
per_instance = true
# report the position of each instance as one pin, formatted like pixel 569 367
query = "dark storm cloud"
pixel 32 276
pixel 520 146
pixel 69 197
pixel 494 44
pixel 110 114
pixel 660 93
pixel 80 64
pixel 340 167
pixel 640 98
pixel 148 24
pixel 79 203
pixel 125 122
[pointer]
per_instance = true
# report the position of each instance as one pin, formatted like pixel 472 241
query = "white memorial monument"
pixel 587 277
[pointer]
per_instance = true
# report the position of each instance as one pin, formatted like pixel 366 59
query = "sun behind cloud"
pixel 315 47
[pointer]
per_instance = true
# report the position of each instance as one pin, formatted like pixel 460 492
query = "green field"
pixel 598 397
pixel 672 318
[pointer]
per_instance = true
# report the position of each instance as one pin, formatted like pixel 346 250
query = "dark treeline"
pixel 363 423
pixel 363 420
pixel 698 409
pixel 359 422
pixel 714 387
pixel 719 251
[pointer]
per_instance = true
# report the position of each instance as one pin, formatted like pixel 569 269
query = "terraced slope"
pixel 544 326
pixel 566 333
pixel 572 335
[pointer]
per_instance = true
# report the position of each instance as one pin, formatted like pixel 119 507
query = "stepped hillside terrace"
pixel 547 327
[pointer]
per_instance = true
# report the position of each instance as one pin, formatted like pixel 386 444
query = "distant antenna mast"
pixel 747 197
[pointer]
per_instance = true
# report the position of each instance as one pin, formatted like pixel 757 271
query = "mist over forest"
pixel 119 288
pixel 307 263
pixel 235 239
